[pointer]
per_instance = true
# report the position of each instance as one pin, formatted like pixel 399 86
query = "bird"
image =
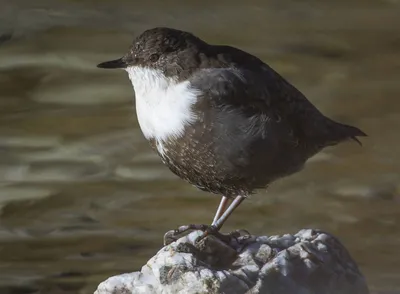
pixel 221 118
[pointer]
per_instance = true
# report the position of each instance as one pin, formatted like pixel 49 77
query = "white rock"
pixel 277 264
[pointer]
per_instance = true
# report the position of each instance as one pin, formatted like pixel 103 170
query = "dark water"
pixel 81 195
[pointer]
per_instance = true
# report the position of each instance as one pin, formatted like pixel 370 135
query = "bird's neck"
pixel 146 81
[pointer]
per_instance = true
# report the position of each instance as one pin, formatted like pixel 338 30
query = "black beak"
pixel 118 63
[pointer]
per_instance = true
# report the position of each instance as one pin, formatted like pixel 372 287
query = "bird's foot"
pixel 226 238
pixel 174 235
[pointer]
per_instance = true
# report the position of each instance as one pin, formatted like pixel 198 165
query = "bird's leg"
pixel 216 226
pixel 235 203
pixel 172 235
pixel 221 208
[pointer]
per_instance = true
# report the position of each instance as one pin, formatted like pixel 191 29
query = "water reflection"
pixel 81 195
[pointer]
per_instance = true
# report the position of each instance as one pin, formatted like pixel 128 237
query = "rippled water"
pixel 81 195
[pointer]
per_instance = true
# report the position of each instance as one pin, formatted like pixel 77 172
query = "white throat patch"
pixel 163 106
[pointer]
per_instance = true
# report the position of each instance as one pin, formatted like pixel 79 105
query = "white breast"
pixel 163 106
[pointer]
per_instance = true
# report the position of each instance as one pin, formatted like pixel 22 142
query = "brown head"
pixel 159 48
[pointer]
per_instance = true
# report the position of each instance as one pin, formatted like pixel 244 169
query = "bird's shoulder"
pixel 231 86
pixel 230 75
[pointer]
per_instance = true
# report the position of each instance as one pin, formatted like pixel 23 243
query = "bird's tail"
pixel 343 132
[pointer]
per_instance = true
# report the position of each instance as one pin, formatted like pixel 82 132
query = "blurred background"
pixel 82 197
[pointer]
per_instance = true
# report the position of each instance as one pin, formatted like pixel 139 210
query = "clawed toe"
pixel 211 230
pixel 236 235
pixel 226 238
pixel 239 233
pixel 173 235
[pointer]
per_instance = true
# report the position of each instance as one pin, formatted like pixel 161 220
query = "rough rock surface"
pixel 309 262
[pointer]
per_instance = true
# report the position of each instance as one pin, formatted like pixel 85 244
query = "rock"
pixel 309 262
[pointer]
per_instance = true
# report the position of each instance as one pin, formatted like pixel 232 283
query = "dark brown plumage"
pixel 251 126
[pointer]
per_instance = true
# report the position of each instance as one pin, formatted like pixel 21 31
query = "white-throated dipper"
pixel 220 118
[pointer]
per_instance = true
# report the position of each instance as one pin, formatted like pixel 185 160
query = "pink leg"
pixel 221 208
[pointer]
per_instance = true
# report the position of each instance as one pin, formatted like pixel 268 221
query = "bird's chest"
pixel 163 105
pixel 191 157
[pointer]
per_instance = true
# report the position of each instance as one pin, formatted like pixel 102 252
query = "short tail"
pixel 341 132
pixel 354 133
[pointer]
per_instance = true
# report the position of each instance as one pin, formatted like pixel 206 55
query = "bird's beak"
pixel 118 63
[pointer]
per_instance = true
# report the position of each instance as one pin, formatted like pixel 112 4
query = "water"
pixel 81 195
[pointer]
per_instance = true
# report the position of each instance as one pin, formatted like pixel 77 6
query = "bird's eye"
pixel 154 57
